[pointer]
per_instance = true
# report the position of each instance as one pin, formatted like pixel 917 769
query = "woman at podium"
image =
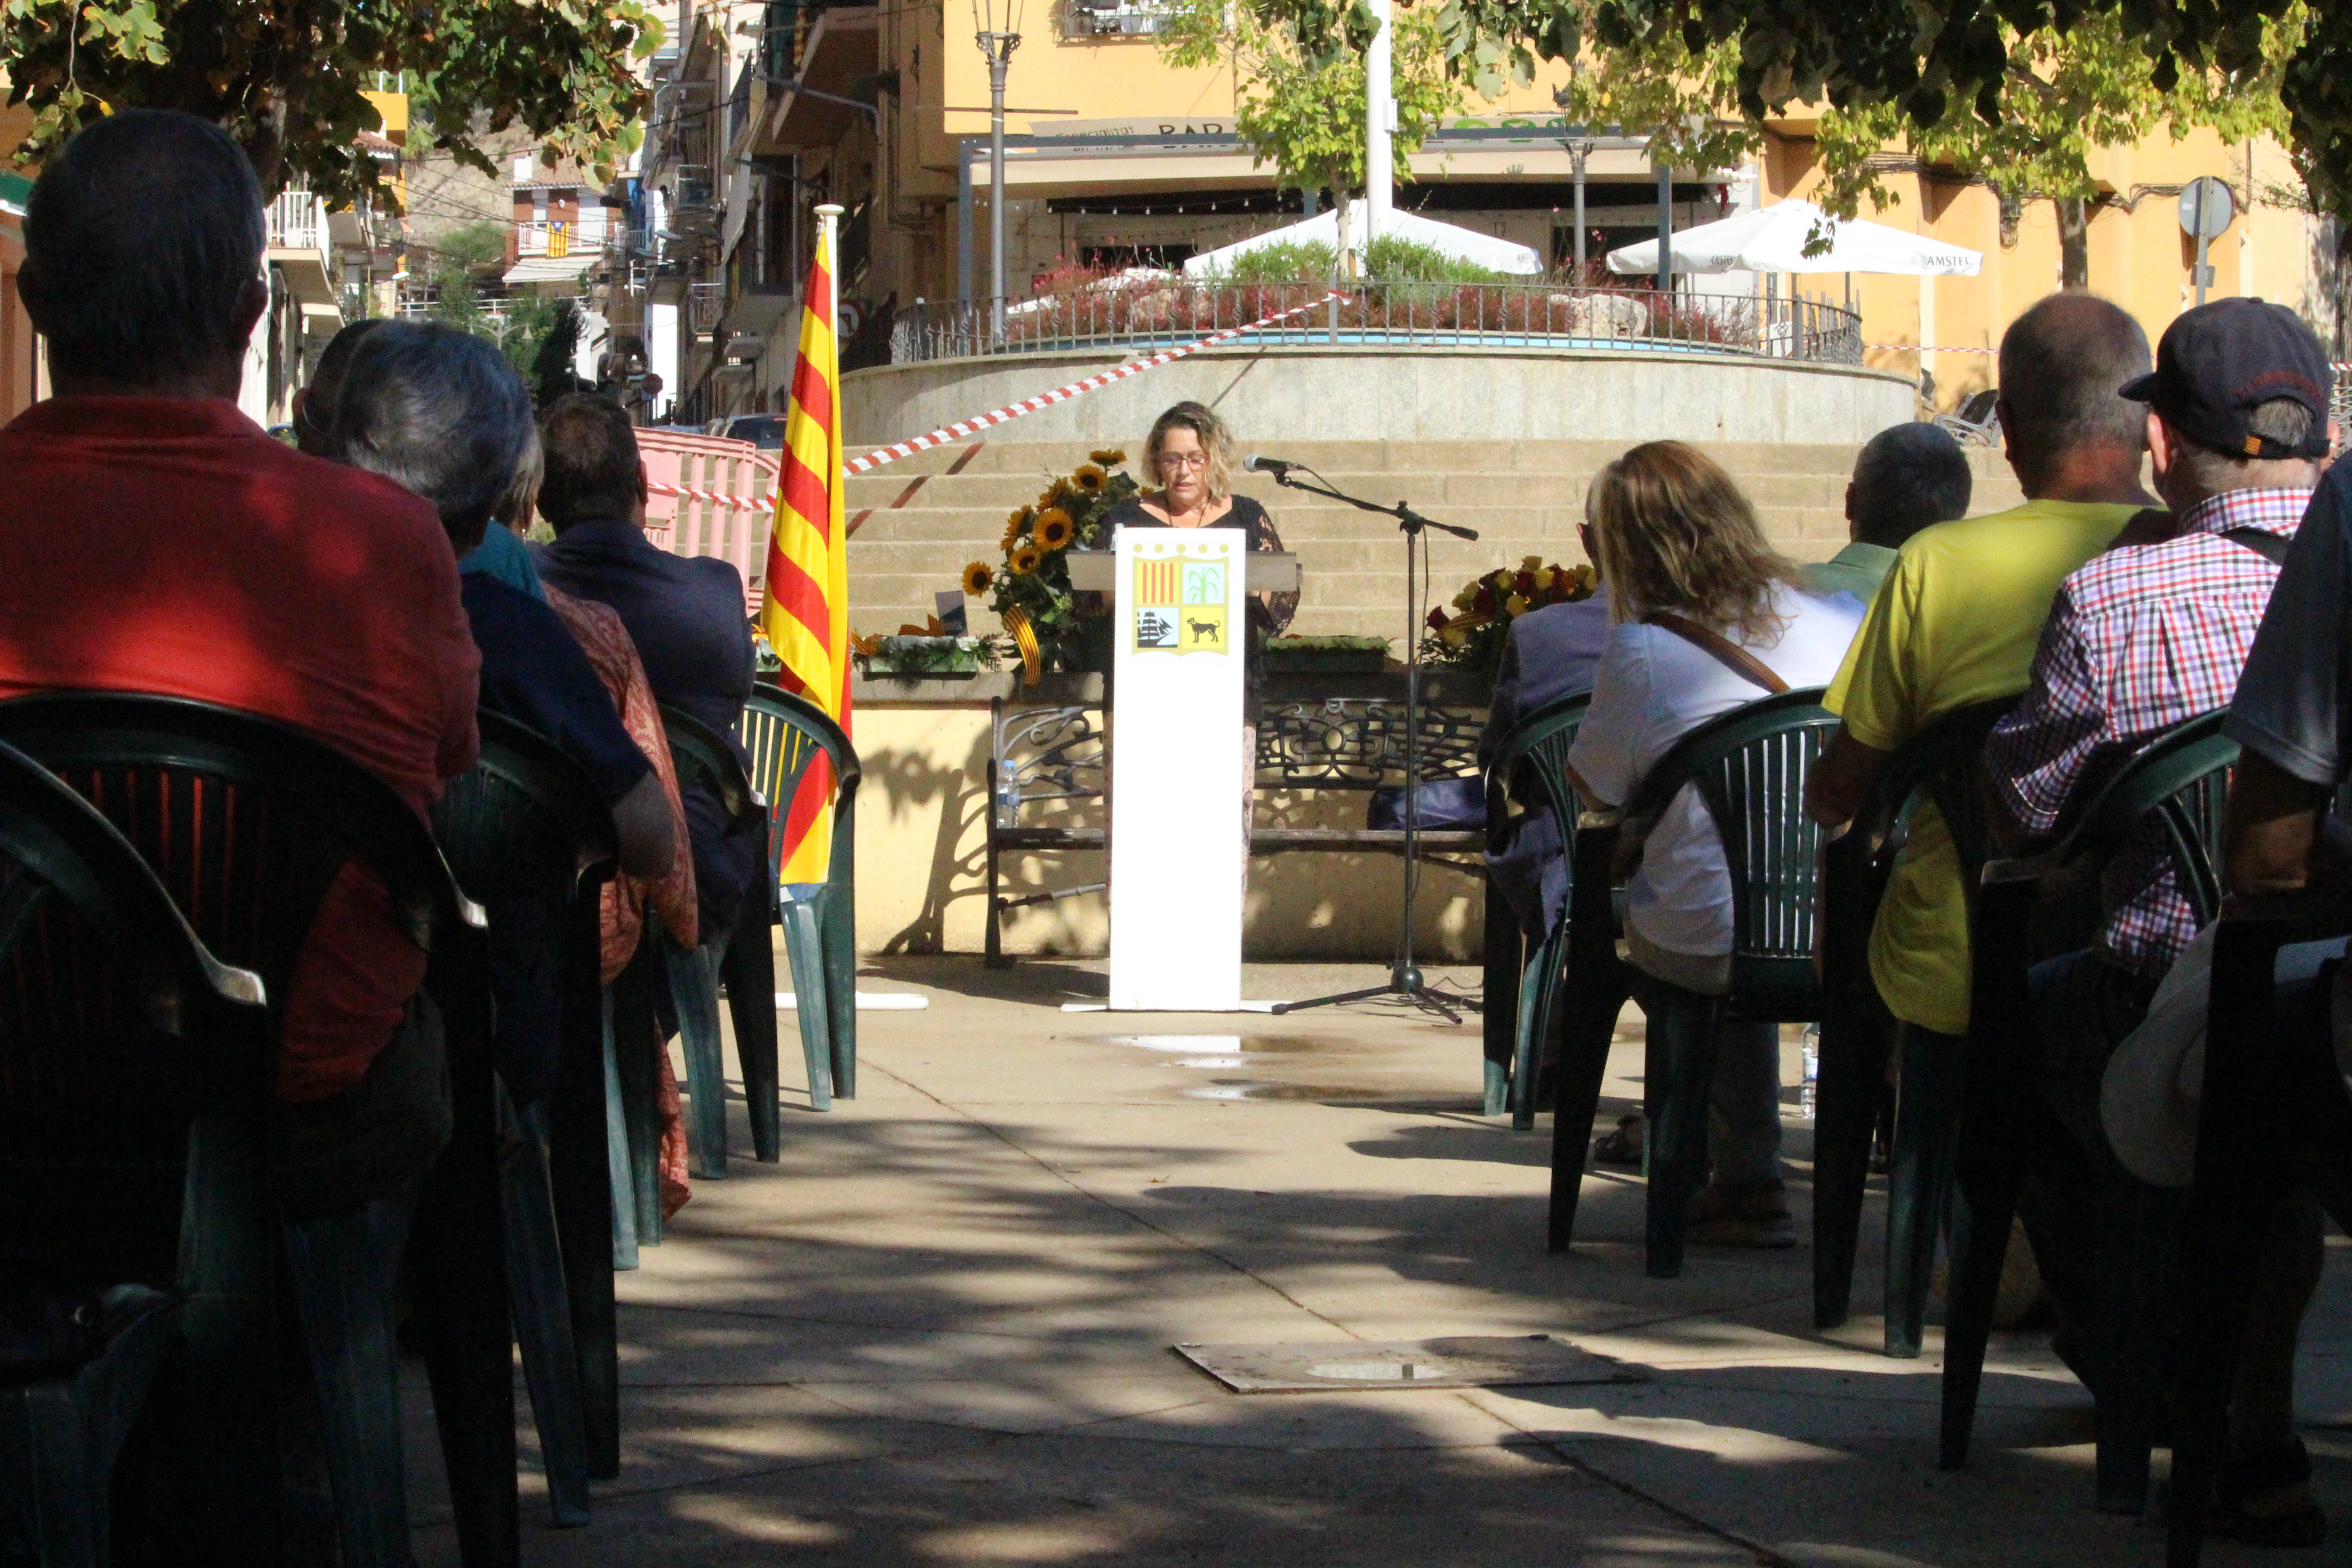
pixel 1191 454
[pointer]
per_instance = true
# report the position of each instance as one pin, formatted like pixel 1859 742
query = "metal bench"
pixel 1046 767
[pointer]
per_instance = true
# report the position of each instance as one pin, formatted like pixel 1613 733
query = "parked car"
pixel 765 431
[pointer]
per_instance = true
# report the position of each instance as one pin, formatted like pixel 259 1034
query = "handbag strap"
pixel 2270 546
pixel 1730 655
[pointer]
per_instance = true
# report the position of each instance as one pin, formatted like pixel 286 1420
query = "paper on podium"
pixel 1179 773
pixel 1266 572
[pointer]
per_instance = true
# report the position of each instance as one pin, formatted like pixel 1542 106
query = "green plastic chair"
pixel 246 822
pixel 2179 782
pixel 121 1052
pixel 785 733
pixel 1749 767
pixel 1941 763
pixel 1535 748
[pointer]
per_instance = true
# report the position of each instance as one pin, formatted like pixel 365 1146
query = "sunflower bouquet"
pixel 1030 589
pixel 1472 635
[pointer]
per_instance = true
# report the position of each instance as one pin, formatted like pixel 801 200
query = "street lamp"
pixel 996 29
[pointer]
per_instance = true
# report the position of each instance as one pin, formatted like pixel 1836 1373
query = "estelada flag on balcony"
pixel 805 613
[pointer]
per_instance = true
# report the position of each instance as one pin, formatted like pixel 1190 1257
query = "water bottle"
pixel 1812 1055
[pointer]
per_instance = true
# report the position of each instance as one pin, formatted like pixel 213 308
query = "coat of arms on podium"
pixel 1179 606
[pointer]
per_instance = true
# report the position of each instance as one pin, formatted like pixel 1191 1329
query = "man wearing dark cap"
pixel 2153 632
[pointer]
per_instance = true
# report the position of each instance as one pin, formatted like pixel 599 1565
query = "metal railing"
pixel 1150 313
pixel 706 306
pixel 298 221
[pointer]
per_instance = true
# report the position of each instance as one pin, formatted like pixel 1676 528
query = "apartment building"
pixel 1114 158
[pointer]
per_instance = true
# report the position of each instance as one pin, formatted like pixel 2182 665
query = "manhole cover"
pixel 1464 1361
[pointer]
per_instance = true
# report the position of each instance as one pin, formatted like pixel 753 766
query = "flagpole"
pixel 828 224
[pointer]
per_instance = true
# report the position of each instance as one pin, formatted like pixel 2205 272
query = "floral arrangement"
pixel 1472 638
pixel 1030 590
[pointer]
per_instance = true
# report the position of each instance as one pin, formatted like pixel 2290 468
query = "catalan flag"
pixel 806 611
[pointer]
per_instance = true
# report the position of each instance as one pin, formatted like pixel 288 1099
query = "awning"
pixel 1464 244
pixel 550 268
pixel 1772 239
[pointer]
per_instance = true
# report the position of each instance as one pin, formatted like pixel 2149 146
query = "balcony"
pixel 1113 18
pixel 694 201
pixel 706 307
pixel 301 247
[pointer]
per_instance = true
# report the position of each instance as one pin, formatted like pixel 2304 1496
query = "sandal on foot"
pixel 2250 1476
pixel 1623 1147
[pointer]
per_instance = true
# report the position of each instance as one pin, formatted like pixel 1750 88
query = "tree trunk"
pixel 2336 272
pixel 2074 243
pixel 1339 259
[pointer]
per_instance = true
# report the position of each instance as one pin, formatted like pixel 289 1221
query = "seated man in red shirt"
pixel 154 539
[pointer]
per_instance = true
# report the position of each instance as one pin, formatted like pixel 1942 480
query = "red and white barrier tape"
pixel 712 498
pixel 962 427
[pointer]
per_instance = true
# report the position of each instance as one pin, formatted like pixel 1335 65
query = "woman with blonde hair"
pixel 1709 616
pixel 1189 455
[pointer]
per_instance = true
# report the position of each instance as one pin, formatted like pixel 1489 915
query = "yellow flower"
pixel 977 577
pixel 1051 515
pixel 1544 577
pixel 1453 636
pixel 1011 537
pixel 1109 457
pixel 1500 582
pixel 1465 599
pixel 1516 604
pixel 1530 563
pixel 1022 517
pixel 1055 530
pixel 1026 558
pixel 1089 478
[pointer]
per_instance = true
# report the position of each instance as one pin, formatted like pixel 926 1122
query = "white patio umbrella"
pixel 1323 229
pixel 1772 239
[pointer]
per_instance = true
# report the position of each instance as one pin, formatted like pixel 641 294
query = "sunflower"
pixel 1055 531
pixel 1053 514
pixel 1109 457
pixel 1022 516
pixel 1026 558
pixel 1089 479
pixel 977 578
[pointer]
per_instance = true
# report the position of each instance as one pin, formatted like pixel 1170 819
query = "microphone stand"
pixel 1404 982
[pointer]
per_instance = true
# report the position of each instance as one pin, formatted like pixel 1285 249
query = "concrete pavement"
pixel 937 1331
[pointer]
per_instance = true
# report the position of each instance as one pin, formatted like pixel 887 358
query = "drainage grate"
pixel 1462 1362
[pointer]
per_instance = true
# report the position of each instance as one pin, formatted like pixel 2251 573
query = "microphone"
pixel 1274 466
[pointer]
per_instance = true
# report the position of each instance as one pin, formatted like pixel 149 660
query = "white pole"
pixel 1380 120
pixel 828 221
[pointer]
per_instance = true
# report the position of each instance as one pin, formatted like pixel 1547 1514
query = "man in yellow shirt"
pixel 1955 624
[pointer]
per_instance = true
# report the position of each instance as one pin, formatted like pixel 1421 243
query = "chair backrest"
pixel 246 821
pixel 702 756
pixel 1537 745
pixel 1749 767
pixel 117 1031
pixel 524 820
pixel 2180 782
pixel 785 733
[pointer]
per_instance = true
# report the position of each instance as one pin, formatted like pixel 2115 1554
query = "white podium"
pixel 1178 777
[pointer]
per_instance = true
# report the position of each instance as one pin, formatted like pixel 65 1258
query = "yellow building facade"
pixel 2139 256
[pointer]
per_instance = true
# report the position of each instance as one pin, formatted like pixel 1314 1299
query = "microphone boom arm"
pixel 1407 518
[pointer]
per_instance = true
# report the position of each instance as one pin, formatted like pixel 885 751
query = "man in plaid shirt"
pixel 2154 630
pixel 2149 634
